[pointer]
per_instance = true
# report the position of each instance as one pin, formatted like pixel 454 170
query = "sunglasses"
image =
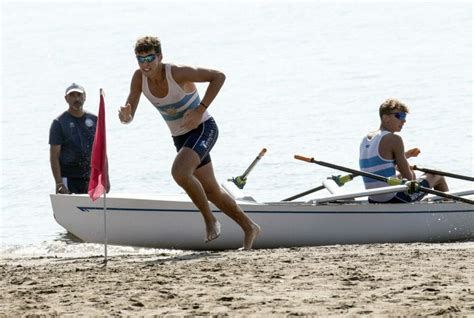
pixel 400 115
pixel 149 58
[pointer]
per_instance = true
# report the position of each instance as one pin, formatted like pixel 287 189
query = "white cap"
pixel 74 88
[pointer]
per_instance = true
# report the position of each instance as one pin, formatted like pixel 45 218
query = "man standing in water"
pixel 172 90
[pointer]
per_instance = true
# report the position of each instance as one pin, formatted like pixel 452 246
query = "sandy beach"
pixel 369 280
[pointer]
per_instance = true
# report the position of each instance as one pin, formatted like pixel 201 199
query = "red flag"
pixel 99 165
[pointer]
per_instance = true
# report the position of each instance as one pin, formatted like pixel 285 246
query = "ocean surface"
pixel 303 77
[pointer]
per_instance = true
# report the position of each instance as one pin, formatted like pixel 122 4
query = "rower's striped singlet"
pixel 173 106
pixel 371 161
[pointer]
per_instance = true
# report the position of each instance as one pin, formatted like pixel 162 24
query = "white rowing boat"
pixel 174 221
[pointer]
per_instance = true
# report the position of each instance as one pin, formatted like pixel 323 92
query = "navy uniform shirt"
pixel 76 136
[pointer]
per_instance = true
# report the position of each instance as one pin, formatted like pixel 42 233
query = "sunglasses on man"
pixel 399 115
pixel 149 58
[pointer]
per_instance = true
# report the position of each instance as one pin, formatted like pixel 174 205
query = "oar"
pixel 302 194
pixel 390 181
pixel 340 180
pixel 443 173
pixel 241 180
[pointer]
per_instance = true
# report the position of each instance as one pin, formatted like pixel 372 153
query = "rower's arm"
pixel 127 112
pixel 187 74
pixel 400 159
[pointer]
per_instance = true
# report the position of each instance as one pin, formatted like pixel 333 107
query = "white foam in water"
pixel 65 249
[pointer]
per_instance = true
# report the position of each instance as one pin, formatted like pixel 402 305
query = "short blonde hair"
pixel 392 105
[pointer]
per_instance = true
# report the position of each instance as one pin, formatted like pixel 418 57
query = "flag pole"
pixel 105 229
pixel 98 182
pixel 105 211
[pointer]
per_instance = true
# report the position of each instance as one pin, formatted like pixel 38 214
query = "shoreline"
pixel 378 279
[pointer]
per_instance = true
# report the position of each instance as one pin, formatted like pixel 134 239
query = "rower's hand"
pixel 414 152
pixel 192 118
pixel 125 114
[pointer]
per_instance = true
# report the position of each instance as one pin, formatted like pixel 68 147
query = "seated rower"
pixel 382 152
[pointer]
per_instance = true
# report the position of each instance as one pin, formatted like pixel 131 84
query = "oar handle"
pixel 252 165
pixel 443 173
pixel 302 158
pixel 240 181
pixel 262 153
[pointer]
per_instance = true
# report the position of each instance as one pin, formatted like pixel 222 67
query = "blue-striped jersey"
pixel 371 161
pixel 173 106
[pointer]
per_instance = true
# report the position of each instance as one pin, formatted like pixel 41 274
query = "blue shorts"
pixel 201 139
pixel 404 197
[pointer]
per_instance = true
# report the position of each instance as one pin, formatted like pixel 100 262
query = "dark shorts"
pixel 76 185
pixel 404 197
pixel 201 140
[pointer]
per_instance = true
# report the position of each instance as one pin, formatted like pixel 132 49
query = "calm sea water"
pixel 303 77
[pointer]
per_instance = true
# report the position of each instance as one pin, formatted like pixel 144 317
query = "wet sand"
pixel 368 280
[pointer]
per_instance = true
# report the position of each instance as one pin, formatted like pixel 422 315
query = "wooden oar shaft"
pixel 252 165
pixel 443 173
pixel 302 194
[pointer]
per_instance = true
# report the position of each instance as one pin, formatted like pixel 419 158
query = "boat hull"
pixel 175 223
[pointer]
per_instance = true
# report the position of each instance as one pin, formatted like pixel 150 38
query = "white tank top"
pixel 371 161
pixel 173 106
